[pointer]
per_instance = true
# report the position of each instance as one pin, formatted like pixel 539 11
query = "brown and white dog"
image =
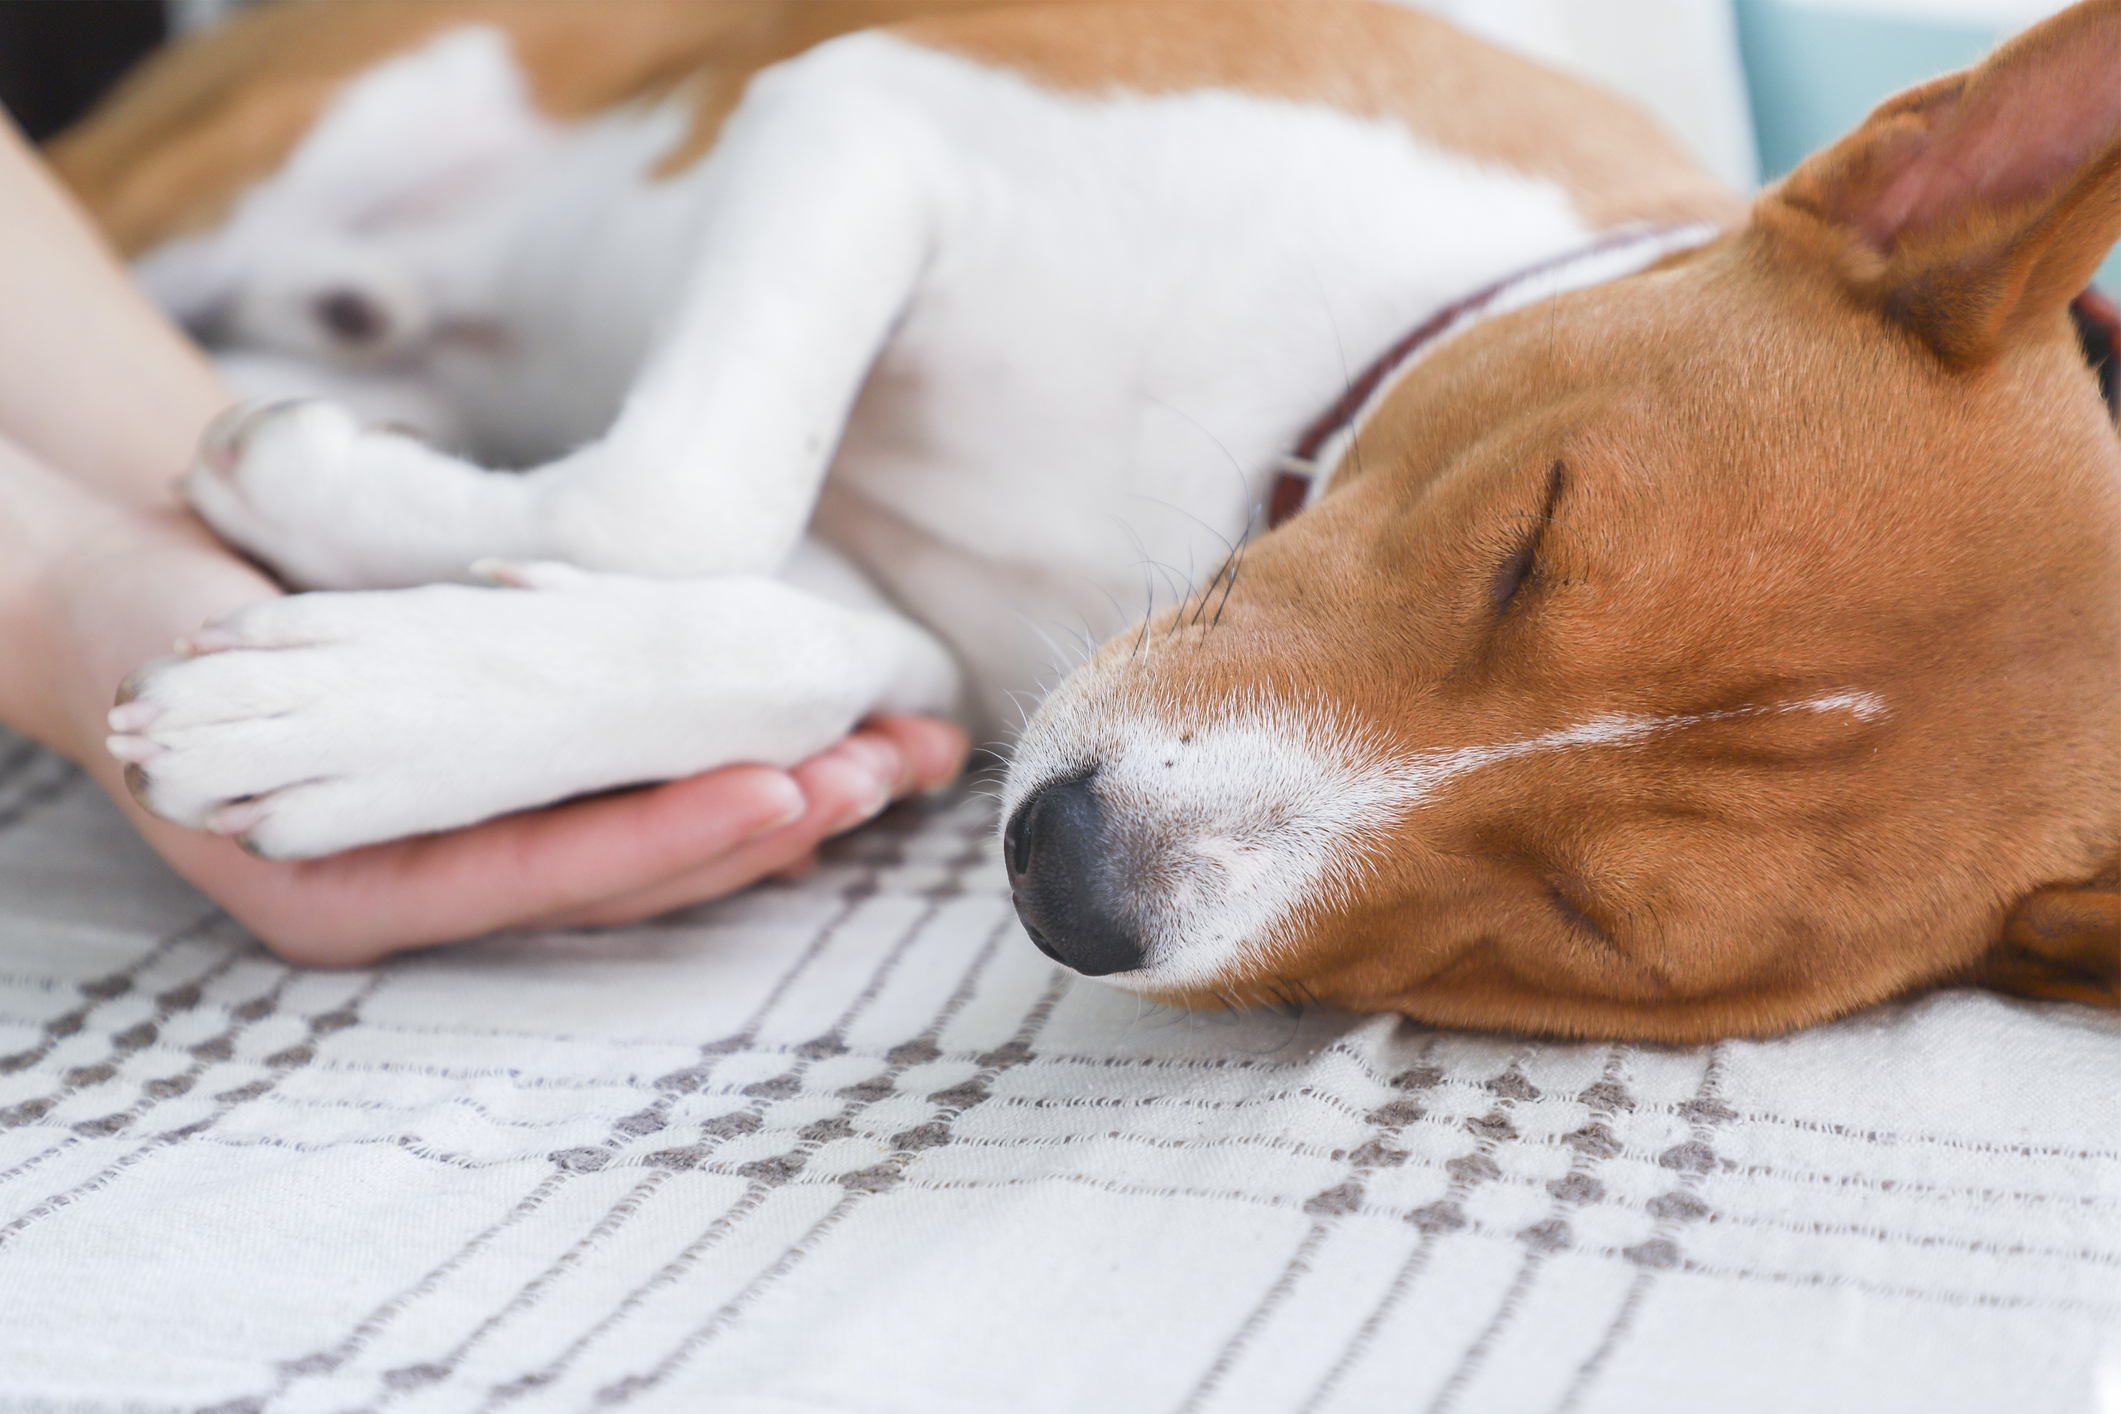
pixel 1710 622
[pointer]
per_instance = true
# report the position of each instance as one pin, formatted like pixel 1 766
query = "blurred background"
pixel 1751 85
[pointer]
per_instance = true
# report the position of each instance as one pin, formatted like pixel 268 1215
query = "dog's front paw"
pixel 329 504
pixel 307 725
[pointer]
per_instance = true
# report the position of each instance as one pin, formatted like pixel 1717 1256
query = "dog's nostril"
pixel 1066 886
pixel 351 316
pixel 1016 842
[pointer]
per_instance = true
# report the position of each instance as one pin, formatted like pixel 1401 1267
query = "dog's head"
pixel 1712 651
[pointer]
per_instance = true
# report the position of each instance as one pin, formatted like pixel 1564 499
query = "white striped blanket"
pixel 853 1145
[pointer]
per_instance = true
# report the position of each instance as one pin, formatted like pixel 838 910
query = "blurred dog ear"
pixel 1976 206
pixel 2061 943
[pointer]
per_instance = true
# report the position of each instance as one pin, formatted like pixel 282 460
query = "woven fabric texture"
pixel 854 1145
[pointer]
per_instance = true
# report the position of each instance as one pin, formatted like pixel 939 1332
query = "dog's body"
pixel 1049 290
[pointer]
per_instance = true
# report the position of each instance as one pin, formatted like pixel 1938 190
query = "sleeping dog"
pixel 1573 603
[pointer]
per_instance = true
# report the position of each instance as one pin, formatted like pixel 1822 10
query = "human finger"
pixel 844 786
pixel 352 908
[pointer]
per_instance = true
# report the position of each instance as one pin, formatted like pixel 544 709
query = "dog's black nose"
pixel 1064 882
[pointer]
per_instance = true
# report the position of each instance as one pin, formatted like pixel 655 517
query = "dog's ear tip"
pixel 2061 942
pixel 1978 205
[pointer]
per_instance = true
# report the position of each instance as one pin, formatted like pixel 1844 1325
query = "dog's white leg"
pixel 319 722
pixel 819 201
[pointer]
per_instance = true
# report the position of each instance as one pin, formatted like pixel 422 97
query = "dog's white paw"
pixel 312 724
pixel 315 723
pixel 329 504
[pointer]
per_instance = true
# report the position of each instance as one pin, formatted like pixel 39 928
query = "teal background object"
pixel 1812 72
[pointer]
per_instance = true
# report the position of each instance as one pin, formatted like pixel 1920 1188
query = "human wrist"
pixel 78 615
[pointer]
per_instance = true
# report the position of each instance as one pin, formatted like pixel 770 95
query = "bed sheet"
pixel 852 1144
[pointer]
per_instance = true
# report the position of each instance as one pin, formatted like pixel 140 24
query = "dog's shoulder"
pixel 201 123
pixel 1366 58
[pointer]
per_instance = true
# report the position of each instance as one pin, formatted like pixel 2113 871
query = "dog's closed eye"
pixel 1572 913
pixel 1513 573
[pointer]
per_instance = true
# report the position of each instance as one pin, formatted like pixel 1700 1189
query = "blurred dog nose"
pixel 352 317
pixel 1063 880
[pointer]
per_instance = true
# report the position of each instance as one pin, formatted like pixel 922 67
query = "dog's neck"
pixel 1304 470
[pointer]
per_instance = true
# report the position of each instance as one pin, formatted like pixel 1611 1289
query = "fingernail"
pixel 134 716
pixel 862 813
pixel 794 806
pixel 236 819
pixel 884 761
pixel 137 750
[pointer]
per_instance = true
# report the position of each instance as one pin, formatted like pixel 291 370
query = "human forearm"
pixel 89 590
pixel 93 379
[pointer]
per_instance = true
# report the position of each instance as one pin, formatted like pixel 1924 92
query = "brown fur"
pixel 1790 465
pixel 183 137
pixel 1849 447
pixel 1376 60
pixel 199 124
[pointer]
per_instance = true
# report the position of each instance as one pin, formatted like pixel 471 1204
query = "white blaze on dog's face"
pixel 1197 845
pixel 1709 652
pixel 1194 840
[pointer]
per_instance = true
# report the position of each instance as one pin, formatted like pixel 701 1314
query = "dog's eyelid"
pixel 1577 916
pixel 1511 576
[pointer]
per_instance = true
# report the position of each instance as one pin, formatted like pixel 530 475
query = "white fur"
pixel 1037 339
pixel 1235 824
pixel 1231 823
pixel 323 721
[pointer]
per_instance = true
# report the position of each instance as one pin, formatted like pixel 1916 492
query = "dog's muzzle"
pixel 1065 880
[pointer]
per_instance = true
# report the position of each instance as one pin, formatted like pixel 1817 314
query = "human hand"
pixel 605 860
pixel 88 590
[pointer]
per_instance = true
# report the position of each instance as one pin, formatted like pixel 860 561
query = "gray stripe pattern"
pixel 851 1144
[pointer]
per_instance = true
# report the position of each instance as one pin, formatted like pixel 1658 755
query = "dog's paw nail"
pixel 201 641
pixel 505 573
pixel 136 749
pixel 222 445
pixel 238 818
pixel 132 715
pixel 227 435
pixel 527 574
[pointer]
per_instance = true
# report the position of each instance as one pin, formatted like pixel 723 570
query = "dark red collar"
pixel 2097 320
pixel 2099 335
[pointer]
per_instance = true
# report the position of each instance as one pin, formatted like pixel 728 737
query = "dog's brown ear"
pixel 1979 204
pixel 2061 943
